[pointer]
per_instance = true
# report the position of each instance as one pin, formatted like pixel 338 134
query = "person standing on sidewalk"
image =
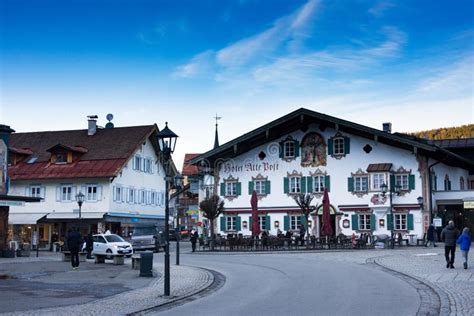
pixel 74 242
pixel 449 235
pixel 194 238
pixel 430 236
pixel 464 242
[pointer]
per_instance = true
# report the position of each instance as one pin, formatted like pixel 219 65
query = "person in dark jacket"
pixel 430 236
pixel 89 245
pixel 74 242
pixel 449 235
pixel 194 238
pixel 464 242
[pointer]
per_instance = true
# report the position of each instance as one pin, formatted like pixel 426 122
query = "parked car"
pixel 108 244
pixel 148 238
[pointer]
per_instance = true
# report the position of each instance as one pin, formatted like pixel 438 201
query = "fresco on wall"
pixel 313 150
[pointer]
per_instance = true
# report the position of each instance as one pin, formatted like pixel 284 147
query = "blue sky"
pixel 250 61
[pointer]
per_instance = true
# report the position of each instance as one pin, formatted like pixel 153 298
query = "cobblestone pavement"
pixel 186 282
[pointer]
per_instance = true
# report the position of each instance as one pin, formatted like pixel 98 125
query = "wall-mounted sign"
pixel 229 167
pixel 469 204
pixel 11 203
pixel 437 222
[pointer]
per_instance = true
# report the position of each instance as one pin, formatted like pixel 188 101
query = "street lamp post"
pixel 394 188
pixel 167 142
pixel 80 197
pixel 178 182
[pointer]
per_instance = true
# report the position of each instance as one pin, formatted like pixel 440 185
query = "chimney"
pixel 92 126
pixel 387 127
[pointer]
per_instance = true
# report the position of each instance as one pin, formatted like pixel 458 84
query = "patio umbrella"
pixel 326 229
pixel 254 202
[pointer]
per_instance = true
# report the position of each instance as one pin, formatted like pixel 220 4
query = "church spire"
pixel 216 139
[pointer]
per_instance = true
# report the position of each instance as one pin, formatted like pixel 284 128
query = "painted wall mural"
pixel 313 151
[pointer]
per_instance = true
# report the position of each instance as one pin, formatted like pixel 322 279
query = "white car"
pixel 108 244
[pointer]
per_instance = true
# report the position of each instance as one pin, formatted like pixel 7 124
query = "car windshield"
pixel 113 238
pixel 142 231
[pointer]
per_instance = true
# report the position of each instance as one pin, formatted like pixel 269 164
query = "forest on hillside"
pixel 464 131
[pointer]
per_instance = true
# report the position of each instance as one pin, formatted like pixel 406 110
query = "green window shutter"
pixel 286 185
pixel 238 223
pixel 222 189
pixel 350 184
pixel 267 222
pixel 239 188
pixel 281 149
pixel 389 221
pixel 372 222
pixel 411 182
pixel 297 148
pixel 303 184
pixel 355 222
pixel 327 183
pixel 347 145
pixel 309 184
pixel 410 221
pixel 223 224
pixel 267 187
pixel 330 146
pixel 392 182
pixel 250 187
pixel 303 221
pixel 286 223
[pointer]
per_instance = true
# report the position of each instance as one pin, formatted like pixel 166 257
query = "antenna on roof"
pixel 109 118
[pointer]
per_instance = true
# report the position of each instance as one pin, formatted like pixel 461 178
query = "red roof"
pixel 103 154
pixel 189 170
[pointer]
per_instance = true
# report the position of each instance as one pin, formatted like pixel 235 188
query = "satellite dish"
pixel 110 117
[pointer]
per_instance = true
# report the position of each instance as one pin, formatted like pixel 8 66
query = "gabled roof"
pixel 300 120
pixel 77 149
pixel 21 151
pixel 103 154
pixel 188 169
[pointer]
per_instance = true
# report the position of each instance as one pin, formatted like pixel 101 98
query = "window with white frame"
pixel 35 191
pixel 262 222
pixel 318 183
pixel 364 222
pixel 377 180
pixel 61 158
pixel 118 194
pixel 361 184
pixel 338 146
pixel 142 197
pixel 295 222
pixel 66 193
pixel 153 198
pixel 295 184
pixel 137 163
pixel 289 149
pixel 91 192
pixel 401 182
pixel 230 188
pixel 259 187
pixel 400 221
pixel 230 222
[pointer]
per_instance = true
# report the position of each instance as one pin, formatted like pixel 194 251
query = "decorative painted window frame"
pixel 399 172
pixel 288 139
pixel 259 177
pixel 338 136
pixel 230 179
pixel 317 172
pixel 294 174
pixel 361 173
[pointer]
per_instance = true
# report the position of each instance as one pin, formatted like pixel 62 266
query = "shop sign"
pixel 437 222
pixel 469 204
pixel 11 203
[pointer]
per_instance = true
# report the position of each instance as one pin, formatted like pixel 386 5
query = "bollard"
pixel 146 264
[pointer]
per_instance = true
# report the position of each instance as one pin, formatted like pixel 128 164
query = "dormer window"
pixel 63 154
pixel 61 158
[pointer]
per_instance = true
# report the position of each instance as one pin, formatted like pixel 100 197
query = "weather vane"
pixel 217 118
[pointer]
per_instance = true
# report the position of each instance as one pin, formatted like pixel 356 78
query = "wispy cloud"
pixel 380 8
pixel 199 64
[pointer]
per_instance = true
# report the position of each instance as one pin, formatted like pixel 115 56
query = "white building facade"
pixel 306 152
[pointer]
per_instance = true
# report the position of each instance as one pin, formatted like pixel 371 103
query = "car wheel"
pixel 109 252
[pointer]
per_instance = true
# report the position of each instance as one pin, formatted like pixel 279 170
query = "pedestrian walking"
pixel 302 233
pixel 430 236
pixel 449 235
pixel 194 238
pixel 89 245
pixel 74 241
pixel 464 242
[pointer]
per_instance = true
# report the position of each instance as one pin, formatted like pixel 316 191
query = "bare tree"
pixel 212 207
pixel 304 202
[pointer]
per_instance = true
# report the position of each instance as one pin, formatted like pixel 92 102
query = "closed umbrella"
pixel 254 204
pixel 326 229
